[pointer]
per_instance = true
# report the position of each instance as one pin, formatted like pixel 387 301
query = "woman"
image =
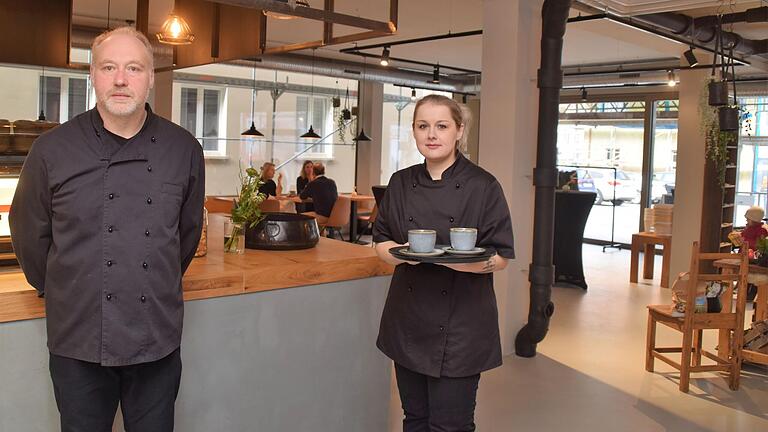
pixel 307 175
pixel 270 188
pixel 440 322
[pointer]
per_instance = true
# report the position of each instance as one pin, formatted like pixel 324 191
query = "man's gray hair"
pixel 126 30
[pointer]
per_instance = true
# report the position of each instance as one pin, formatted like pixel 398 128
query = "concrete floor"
pixel 589 372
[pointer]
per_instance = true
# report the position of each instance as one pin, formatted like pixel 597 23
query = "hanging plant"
pixel 341 125
pixel 717 141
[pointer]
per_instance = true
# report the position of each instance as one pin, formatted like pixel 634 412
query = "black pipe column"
pixel 541 272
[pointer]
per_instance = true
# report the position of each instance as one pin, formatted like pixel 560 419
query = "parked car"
pixel 661 184
pixel 627 189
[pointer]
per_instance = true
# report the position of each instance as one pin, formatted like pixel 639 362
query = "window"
pixel 321 116
pixel 201 116
pixel 62 98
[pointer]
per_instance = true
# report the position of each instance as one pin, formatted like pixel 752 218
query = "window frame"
pixel 221 150
pixel 63 96
pixel 328 124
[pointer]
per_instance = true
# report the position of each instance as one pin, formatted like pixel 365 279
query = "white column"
pixel 689 187
pixel 508 119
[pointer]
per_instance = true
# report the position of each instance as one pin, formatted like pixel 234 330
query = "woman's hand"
pixel 382 250
pixel 492 264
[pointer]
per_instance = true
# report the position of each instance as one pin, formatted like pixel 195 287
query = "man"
pixel 105 220
pixel 323 192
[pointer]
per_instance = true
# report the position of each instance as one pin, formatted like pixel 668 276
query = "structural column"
pixel 369 152
pixel 508 118
pixel 691 158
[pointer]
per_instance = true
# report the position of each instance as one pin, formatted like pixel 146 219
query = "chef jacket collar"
pixel 134 149
pixel 450 172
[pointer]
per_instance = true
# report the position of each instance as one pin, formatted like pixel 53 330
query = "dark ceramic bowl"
pixel 283 231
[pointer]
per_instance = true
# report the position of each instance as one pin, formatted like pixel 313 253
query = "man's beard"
pixel 125 108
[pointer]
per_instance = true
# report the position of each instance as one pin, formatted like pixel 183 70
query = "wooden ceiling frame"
pixel 327 15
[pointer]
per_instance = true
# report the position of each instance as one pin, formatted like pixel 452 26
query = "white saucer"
pixel 435 252
pixel 475 251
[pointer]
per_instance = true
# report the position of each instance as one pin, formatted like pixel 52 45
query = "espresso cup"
pixel 463 239
pixel 422 240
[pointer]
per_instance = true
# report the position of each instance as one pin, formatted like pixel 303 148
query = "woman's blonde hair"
pixel 304 168
pixel 460 114
pixel 265 167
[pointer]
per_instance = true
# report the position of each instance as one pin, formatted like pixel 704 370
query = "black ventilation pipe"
pixel 550 81
pixel 683 25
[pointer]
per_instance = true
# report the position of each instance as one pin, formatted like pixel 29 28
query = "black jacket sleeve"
pixel 307 191
pixel 496 225
pixel 30 219
pixel 383 227
pixel 191 218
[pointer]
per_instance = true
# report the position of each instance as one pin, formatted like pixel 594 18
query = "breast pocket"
pixel 171 203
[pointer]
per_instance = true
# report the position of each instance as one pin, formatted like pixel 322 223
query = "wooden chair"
pixel 692 324
pixel 339 217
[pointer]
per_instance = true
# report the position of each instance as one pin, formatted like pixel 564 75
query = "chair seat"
pixel 664 314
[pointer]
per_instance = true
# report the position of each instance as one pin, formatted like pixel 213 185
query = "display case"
pixel 16 139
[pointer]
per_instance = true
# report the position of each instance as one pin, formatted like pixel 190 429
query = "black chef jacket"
pixel 105 232
pixel 437 321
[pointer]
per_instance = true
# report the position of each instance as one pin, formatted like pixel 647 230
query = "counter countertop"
pixel 218 274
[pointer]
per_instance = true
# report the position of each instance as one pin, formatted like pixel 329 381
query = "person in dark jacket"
pixel 323 192
pixel 440 322
pixel 105 221
pixel 270 188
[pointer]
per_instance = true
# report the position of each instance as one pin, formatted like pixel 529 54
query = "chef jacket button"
pixel 109 297
pixel 458 185
pixel 109 263
pixel 442 328
pixel 414 185
pixel 444 292
pixel 111 196
pixel 149 200
pixel 410 288
pixel 143 299
pixel 149 168
pixel 153 139
pixel 146 233
pixel 98 134
pixel 144 264
pixel 451 219
pixel 410 219
pixel 111 228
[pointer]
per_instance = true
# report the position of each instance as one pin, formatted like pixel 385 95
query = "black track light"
pixel 690 57
pixel 584 95
pixel 413 95
pixel 671 81
pixel 385 57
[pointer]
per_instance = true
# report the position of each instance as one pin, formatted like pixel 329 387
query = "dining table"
pixel 355 199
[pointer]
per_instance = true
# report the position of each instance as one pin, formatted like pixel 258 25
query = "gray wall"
pixel 287 360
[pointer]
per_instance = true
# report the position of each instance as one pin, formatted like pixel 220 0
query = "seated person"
pixel 306 176
pixel 754 230
pixel 270 188
pixel 323 192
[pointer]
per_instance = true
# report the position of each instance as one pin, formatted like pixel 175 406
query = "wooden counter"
pixel 218 274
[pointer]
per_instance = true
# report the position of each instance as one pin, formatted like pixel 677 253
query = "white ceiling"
pixel 585 42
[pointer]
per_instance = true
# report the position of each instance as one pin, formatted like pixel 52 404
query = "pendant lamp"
pixel 361 136
pixel 175 31
pixel 252 131
pixel 311 134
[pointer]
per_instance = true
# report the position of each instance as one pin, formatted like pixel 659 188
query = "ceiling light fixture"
pixel 361 103
pixel 671 81
pixel 584 94
pixel 385 57
pixel 252 131
pixel 413 95
pixel 175 31
pixel 436 74
pixel 292 3
pixel 311 134
pixel 690 57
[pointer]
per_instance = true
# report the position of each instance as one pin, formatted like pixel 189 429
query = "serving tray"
pixel 445 258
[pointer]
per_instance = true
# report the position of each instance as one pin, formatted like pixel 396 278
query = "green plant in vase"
pixel 246 212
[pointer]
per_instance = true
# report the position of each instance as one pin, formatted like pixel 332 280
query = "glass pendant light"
pixel 311 134
pixel 252 131
pixel 175 31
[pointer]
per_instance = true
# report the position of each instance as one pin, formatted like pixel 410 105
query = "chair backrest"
pixel 270 205
pixel 340 213
pixel 696 276
pixel 378 193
